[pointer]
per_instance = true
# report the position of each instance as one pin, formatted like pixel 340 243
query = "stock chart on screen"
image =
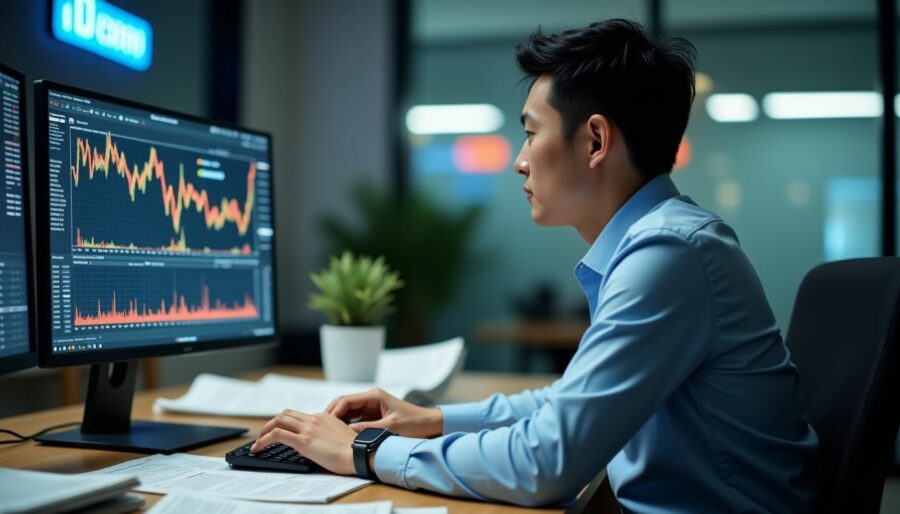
pixel 160 227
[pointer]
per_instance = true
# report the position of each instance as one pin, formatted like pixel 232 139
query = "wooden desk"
pixel 467 387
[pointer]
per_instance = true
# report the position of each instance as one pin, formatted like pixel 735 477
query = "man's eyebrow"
pixel 526 116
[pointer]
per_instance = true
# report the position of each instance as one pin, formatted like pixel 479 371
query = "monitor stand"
pixel 107 423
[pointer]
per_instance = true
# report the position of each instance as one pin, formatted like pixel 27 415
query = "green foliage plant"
pixel 354 291
pixel 429 246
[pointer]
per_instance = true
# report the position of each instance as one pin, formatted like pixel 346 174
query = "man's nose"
pixel 521 164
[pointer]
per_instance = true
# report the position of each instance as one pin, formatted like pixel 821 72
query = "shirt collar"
pixel 650 195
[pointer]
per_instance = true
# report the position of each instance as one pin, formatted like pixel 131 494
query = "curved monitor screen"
pixel 160 227
pixel 14 329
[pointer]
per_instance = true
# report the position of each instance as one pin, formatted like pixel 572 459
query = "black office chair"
pixel 844 339
pixel 596 498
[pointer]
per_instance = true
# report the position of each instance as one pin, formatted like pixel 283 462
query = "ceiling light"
pixel 824 104
pixel 454 119
pixel 732 107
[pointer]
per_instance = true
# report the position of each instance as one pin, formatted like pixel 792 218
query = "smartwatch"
pixel 364 444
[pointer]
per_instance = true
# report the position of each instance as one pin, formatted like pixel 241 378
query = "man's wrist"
pixel 371 458
pixel 436 422
pixel 364 446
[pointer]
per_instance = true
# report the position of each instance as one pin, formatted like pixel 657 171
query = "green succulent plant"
pixel 354 291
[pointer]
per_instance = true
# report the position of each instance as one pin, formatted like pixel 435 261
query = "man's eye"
pixel 528 134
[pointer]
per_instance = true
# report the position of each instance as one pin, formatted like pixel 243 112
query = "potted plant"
pixel 354 293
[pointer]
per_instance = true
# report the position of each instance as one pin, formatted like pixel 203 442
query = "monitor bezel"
pixel 46 357
pixel 28 359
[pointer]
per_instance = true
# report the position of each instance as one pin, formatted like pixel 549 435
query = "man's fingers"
pixel 279 435
pixel 359 427
pixel 338 406
pixel 332 404
pixel 350 403
pixel 295 414
pixel 272 423
pixel 343 405
pixel 287 420
pixel 281 418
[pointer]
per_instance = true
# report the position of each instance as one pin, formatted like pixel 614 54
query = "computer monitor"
pixel 155 237
pixel 16 295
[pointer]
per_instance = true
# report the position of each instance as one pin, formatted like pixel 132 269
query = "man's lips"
pixel 528 194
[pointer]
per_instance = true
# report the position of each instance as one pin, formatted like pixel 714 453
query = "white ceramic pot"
pixel 350 354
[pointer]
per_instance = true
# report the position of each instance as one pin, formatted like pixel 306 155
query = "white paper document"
pixel 419 367
pixel 37 491
pixel 181 502
pixel 195 503
pixel 164 474
pixel 420 375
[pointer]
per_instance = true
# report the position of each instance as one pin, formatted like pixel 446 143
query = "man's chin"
pixel 541 219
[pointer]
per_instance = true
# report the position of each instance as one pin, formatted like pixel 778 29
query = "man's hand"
pixel 323 438
pixel 378 409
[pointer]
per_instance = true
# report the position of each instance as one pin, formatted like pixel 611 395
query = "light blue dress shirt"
pixel 681 387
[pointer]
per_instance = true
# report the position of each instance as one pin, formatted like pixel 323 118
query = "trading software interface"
pixel 160 228
pixel 13 271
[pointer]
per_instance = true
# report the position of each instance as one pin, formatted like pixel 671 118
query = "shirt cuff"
pixel 391 459
pixel 462 417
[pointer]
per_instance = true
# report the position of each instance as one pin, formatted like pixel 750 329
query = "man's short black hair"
pixel 611 68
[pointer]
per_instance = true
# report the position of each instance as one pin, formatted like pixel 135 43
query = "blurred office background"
pixel 341 84
pixel 797 191
pixel 336 83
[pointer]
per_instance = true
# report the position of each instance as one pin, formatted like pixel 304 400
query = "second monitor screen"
pixel 160 228
pixel 13 266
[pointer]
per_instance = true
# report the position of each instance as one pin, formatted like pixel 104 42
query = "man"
pixel 681 387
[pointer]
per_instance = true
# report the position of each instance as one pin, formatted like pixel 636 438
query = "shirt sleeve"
pixel 652 327
pixel 497 411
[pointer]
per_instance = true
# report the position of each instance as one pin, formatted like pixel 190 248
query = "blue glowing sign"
pixel 102 28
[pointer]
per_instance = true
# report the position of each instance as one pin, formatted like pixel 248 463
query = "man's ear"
pixel 599 133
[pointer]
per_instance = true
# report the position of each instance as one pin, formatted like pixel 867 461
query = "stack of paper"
pixel 164 474
pixel 49 493
pixel 420 374
pixel 180 503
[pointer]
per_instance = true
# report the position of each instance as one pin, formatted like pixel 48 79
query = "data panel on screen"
pixel 14 329
pixel 160 228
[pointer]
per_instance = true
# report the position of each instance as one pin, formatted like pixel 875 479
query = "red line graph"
pixel 177 310
pixel 175 199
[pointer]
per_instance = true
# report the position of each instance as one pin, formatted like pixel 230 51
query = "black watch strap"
pixel 361 461
pixel 362 449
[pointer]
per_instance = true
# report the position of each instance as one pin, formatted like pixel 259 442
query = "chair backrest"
pixel 844 340
pixel 596 498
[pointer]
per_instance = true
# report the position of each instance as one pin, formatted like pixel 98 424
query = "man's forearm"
pixel 434 423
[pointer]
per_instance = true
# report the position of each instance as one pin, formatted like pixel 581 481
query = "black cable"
pixel 22 438
pixel 14 434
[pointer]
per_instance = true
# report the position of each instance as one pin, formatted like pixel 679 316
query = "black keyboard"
pixel 275 457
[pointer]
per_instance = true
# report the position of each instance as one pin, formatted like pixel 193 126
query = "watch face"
pixel 369 435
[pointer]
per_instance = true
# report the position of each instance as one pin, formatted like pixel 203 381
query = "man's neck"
pixel 610 200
